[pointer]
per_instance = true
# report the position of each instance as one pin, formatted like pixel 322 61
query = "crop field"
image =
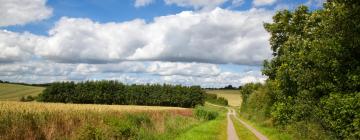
pixel 233 96
pixel 13 92
pixel 32 120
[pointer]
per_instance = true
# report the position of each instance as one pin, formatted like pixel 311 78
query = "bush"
pixel 28 98
pixel 341 114
pixel 205 114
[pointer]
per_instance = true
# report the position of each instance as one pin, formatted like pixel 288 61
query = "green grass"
pixel 271 133
pixel 242 132
pixel 233 96
pixel 208 130
pixel 13 92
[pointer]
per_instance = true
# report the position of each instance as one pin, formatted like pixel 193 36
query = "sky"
pixel 212 43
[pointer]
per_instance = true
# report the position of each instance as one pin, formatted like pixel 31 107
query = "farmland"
pixel 13 92
pixel 233 96
pixel 32 120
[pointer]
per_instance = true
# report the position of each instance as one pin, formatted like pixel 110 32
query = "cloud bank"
pixel 20 12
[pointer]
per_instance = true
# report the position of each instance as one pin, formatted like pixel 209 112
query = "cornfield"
pixel 32 120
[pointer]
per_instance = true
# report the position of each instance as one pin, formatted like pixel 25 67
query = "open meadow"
pixel 13 92
pixel 233 96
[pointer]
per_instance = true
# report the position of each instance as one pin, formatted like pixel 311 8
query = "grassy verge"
pixel 271 133
pixel 213 129
pixel 242 132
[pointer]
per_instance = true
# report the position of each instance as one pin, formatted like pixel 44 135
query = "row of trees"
pixel 113 92
pixel 314 76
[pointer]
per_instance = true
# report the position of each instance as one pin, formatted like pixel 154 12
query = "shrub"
pixel 205 114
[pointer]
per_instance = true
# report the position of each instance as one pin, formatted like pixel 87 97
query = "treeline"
pixel 113 92
pixel 26 84
pixel 214 99
pixel 313 84
pixel 228 87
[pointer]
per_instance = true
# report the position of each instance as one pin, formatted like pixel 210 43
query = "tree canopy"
pixel 316 66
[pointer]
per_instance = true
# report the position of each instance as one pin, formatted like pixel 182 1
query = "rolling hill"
pixel 13 92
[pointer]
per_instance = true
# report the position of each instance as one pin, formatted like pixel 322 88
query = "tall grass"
pixel 47 121
pixel 214 129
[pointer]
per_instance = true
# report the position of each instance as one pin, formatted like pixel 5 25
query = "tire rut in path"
pixel 252 129
pixel 231 132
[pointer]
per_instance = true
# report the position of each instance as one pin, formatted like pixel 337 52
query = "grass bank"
pixel 208 130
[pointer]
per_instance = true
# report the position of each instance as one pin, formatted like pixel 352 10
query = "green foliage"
pixel 246 91
pixel 28 98
pixel 113 92
pixel 213 98
pixel 258 104
pixel 341 114
pixel 205 113
pixel 315 71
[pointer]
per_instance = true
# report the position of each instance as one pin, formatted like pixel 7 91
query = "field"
pixel 32 120
pixel 233 96
pixel 13 92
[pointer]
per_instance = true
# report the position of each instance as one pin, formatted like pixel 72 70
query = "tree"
pixel 316 58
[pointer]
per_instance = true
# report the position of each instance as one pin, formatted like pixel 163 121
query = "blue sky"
pixel 192 42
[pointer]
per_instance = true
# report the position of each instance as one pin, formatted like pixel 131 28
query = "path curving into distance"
pixel 231 132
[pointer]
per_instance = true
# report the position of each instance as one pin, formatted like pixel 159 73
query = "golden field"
pixel 233 96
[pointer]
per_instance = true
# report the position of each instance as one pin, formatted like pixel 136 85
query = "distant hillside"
pixel 233 96
pixel 14 92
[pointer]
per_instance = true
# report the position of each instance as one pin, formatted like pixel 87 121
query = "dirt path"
pixel 253 130
pixel 231 132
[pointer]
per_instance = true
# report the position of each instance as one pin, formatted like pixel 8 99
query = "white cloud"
pixel 20 12
pixel 17 46
pixel 180 49
pixel 197 4
pixel 207 75
pixel 184 69
pixel 75 40
pixel 219 36
pixel 263 2
pixel 140 3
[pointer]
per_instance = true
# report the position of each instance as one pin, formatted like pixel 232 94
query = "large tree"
pixel 316 66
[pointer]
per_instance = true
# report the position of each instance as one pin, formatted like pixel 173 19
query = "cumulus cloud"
pixel 263 2
pixel 75 40
pixel 20 12
pixel 184 48
pixel 184 69
pixel 17 46
pixel 20 71
pixel 219 36
pixel 141 3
